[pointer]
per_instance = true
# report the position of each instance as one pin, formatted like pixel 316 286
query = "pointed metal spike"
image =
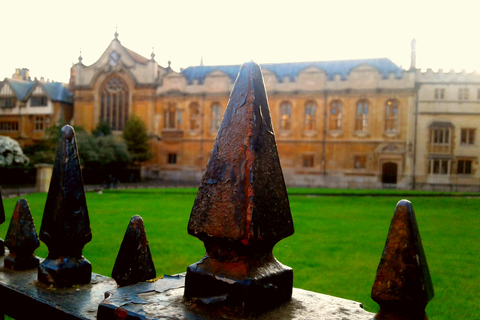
pixel 134 261
pixel 65 225
pixel 21 239
pixel 403 286
pixel 241 210
pixel 2 220
pixel 243 195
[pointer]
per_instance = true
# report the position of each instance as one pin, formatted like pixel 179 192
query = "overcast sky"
pixel 47 36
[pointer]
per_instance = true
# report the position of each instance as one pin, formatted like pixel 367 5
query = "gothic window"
pixel 361 120
pixel 172 117
pixel 391 116
pixel 216 116
pixel 114 103
pixel 310 111
pixel 335 116
pixel 285 116
pixel 194 116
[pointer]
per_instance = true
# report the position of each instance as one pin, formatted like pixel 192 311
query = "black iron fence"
pixel 241 211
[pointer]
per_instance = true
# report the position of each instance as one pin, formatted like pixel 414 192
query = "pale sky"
pixel 47 36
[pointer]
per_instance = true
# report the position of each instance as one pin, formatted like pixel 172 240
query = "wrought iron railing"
pixel 241 211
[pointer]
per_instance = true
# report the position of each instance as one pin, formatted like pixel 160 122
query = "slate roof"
pixel 291 70
pixel 56 91
pixel 20 87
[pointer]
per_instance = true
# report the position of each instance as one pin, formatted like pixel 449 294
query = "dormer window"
pixel 38 101
pixel 7 102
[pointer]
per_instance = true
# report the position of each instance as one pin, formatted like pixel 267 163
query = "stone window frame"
pixel 310 117
pixel 285 117
pixel 439 94
pixel 216 116
pixel 335 117
pixel 115 102
pixel 392 108
pixel 172 117
pixel 467 136
pixel 362 113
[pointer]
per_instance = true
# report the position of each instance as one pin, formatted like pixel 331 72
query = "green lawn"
pixel 335 250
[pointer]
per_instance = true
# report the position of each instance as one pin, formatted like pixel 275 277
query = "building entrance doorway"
pixel 389 173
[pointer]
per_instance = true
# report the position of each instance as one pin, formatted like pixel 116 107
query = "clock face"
pixel 114 58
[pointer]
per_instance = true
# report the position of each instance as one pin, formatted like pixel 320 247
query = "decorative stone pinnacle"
pixel 66 226
pixel 134 261
pixel 2 220
pixel 403 286
pixel 21 239
pixel 241 210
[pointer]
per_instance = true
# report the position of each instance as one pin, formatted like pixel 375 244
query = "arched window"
pixel 114 106
pixel 194 116
pixel 172 117
pixel 216 116
pixel 361 121
pixel 310 112
pixel 285 116
pixel 391 116
pixel 335 116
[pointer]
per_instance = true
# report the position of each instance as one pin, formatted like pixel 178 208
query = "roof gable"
pixel 21 88
pixel 56 91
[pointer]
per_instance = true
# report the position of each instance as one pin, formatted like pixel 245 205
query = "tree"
pixel 136 137
pixel 102 129
pixel 11 153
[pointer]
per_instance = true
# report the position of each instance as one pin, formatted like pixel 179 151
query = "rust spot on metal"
pixel 241 210
pixel 134 261
pixel 21 239
pixel 121 313
pixel 65 225
pixel 403 286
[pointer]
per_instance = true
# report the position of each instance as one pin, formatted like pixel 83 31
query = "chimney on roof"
pixel 413 54
pixel 21 74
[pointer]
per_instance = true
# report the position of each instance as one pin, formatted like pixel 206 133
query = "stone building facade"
pixel 28 107
pixel 447 134
pixel 337 123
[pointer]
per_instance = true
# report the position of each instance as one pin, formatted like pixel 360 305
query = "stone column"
pixel 44 175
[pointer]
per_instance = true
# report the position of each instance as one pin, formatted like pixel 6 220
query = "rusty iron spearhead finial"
pixel 65 225
pixel 21 239
pixel 134 261
pixel 241 210
pixel 403 286
pixel 2 220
